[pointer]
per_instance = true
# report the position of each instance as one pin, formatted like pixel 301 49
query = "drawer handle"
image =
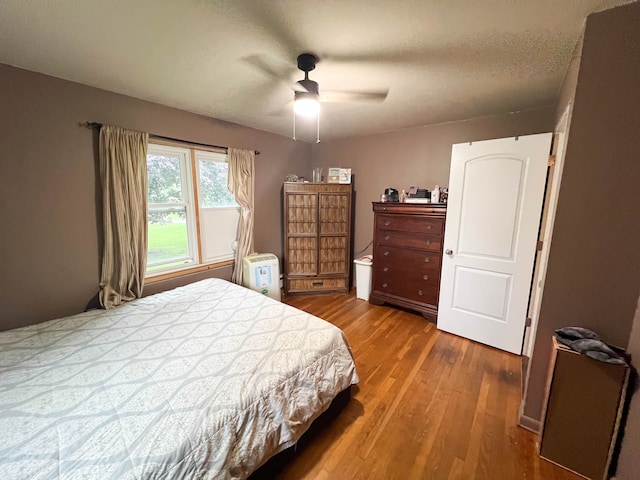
pixel 427 259
pixel 387 223
pixel 317 284
pixel 385 269
pixel 428 242
pixel 426 277
pixel 429 226
pixel 384 285
pixel 386 253
pixel 386 237
pixel 420 292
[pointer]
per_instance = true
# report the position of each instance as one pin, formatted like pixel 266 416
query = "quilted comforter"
pixel 205 381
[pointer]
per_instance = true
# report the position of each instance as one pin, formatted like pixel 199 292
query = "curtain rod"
pixel 162 137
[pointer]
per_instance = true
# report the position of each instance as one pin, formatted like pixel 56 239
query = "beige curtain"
pixel 123 175
pixel 241 184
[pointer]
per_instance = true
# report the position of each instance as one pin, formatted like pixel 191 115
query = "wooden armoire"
pixel 317 237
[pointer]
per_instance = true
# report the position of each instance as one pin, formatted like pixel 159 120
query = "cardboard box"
pixel 585 398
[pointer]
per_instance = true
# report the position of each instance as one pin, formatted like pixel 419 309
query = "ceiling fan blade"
pixel 284 110
pixel 345 96
pixel 306 85
pixel 270 68
pixel 299 86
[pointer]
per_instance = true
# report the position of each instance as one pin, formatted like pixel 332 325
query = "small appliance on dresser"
pixel 407 255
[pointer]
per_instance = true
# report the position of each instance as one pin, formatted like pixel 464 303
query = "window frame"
pixel 187 195
pixel 190 183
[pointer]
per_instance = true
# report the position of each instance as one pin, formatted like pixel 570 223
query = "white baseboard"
pixel 530 424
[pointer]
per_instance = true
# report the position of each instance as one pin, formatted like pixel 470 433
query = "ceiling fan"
pixel 307 95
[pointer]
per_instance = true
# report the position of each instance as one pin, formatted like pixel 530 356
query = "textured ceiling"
pixel 235 60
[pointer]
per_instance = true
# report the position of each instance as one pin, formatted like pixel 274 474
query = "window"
pixel 219 212
pixel 192 216
pixel 213 171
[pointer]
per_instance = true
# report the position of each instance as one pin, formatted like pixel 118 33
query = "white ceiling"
pixel 235 60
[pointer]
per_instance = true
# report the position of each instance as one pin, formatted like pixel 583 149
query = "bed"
pixel 205 381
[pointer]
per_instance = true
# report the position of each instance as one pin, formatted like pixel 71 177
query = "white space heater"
pixel 260 272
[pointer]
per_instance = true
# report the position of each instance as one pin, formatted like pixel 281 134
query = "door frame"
pixel 561 136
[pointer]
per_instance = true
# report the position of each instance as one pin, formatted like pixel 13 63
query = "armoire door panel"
pixel 334 218
pixel 333 255
pixel 302 213
pixel 302 256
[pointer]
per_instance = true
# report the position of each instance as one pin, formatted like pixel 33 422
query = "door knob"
pixel 448 251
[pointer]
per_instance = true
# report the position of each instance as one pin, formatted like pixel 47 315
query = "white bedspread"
pixel 204 381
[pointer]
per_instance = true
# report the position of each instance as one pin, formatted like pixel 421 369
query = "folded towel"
pixel 575 333
pixel 588 343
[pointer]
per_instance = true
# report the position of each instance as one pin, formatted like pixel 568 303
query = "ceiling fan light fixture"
pixel 306 104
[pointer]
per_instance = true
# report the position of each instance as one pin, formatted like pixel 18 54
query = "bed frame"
pixel 273 466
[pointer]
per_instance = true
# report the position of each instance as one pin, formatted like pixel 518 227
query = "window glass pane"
pixel 168 241
pixel 163 172
pixel 213 185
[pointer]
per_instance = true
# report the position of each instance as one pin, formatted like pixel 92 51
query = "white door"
pixel 496 189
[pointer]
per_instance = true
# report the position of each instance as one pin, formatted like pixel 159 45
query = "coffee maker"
pixel 392 194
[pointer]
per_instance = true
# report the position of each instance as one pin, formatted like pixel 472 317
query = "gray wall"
pixel 629 460
pixel 592 277
pixel 415 156
pixel 49 187
pixel 49 247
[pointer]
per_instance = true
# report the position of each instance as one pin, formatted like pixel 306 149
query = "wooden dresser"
pixel 407 255
pixel 317 237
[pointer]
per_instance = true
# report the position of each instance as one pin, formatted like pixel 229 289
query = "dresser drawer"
pixel 430 243
pixel 317 284
pixel 410 283
pixel 410 223
pixel 425 260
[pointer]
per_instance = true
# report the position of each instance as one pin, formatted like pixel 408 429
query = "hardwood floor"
pixel 429 405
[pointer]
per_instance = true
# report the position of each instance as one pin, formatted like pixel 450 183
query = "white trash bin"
pixel 364 265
